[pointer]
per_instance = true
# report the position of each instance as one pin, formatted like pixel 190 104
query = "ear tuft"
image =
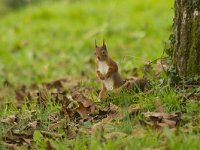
pixel 95 43
pixel 104 44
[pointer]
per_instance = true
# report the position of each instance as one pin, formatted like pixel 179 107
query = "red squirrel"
pixel 107 70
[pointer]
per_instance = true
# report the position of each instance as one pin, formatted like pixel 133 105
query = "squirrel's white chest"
pixel 103 67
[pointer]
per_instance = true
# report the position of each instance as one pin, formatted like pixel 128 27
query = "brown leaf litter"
pixel 12 140
pixel 76 109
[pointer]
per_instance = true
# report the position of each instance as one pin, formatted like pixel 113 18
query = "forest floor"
pixel 49 89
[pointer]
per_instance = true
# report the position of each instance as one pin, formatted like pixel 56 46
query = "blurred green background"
pixel 42 40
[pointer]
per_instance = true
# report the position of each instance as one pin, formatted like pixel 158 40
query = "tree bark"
pixel 186 47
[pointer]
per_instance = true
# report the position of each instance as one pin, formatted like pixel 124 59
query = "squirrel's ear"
pixel 104 44
pixel 95 42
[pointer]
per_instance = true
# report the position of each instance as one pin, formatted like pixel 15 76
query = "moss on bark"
pixel 186 52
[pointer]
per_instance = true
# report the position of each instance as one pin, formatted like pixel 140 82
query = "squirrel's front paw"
pixel 101 76
pixel 107 76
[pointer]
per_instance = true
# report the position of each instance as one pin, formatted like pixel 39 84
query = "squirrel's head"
pixel 101 51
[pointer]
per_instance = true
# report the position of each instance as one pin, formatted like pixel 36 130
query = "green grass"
pixel 46 41
pixel 49 40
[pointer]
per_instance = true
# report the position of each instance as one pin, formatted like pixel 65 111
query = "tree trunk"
pixel 186 47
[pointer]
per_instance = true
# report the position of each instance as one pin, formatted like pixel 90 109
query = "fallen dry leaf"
pixel 59 124
pixel 146 124
pixel 170 123
pixel 28 141
pixel 10 119
pixel 71 132
pixel 32 125
pixel 114 108
pixel 164 119
pixel 83 111
pixel 86 106
pixel 163 115
pixel 87 103
pixel 53 118
pixel 162 125
pixel 79 97
pixel 112 112
pixel 134 109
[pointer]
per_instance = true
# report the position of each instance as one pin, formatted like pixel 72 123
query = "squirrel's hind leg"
pixel 103 90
